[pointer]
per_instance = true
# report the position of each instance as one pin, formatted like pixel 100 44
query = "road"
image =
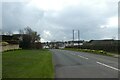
pixel 71 64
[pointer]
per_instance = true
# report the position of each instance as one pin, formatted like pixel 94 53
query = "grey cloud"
pixel 87 19
pixel 60 24
pixel 16 15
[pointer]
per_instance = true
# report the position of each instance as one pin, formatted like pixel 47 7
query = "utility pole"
pixel 78 37
pixel 73 38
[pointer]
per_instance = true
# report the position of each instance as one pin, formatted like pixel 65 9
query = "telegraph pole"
pixel 73 38
pixel 78 37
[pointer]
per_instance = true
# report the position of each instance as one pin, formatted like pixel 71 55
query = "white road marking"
pixel 73 54
pixel 79 56
pixel 108 66
pixel 82 57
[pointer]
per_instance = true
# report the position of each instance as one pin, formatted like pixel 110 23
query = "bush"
pixel 12 50
pixel 102 52
pixel 36 45
pixel 4 43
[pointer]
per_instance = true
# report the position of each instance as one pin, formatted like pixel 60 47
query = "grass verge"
pixel 27 64
pixel 101 52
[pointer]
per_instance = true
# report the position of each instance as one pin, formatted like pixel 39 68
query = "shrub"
pixel 101 51
pixel 4 43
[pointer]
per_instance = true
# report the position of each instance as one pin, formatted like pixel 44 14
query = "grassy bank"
pixel 101 52
pixel 27 64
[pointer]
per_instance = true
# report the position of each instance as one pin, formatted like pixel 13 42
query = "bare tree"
pixel 33 34
pixel 29 38
pixel 21 31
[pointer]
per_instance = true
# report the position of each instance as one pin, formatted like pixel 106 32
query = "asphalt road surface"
pixel 71 64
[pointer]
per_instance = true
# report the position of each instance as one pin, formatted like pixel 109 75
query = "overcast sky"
pixel 55 19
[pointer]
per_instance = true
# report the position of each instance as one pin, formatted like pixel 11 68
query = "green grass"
pixel 101 52
pixel 27 64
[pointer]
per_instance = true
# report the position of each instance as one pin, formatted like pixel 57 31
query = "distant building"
pixel 101 42
pixel 74 43
pixel 54 45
